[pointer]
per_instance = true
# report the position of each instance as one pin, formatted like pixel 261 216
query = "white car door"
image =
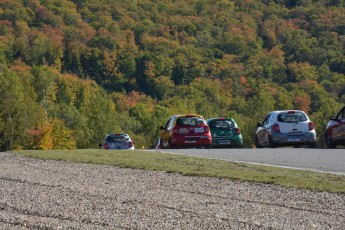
pixel 262 131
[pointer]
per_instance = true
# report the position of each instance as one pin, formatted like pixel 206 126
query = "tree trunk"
pixel 12 130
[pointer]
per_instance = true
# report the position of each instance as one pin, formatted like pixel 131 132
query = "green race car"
pixel 225 133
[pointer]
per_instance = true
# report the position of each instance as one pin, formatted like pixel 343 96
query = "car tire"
pixel 329 142
pixel 165 147
pixel 271 142
pixel 170 145
pixel 161 144
pixel 208 146
pixel 312 145
pixel 258 146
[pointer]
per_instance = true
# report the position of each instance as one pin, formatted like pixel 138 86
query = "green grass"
pixel 194 166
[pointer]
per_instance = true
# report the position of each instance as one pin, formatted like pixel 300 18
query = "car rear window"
pixel 292 117
pixel 222 124
pixel 189 121
pixel 119 137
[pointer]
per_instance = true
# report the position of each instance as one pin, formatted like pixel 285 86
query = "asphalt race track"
pixel 324 160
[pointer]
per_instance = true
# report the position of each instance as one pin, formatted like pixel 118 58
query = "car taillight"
pixel 130 144
pixel 207 129
pixel 105 146
pixel 311 126
pixel 238 131
pixel 276 127
pixel 175 130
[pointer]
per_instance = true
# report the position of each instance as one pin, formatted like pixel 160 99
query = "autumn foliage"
pixel 73 71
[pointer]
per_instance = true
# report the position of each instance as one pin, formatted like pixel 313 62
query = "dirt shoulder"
pixel 44 194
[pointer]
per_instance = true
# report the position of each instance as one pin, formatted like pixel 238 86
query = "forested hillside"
pixel 72 71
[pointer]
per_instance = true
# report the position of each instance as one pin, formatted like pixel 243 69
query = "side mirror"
pixel 332 118
pixel 161 128
pixel 258 124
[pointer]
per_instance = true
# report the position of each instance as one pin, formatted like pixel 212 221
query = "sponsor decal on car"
pixel 224 142
pixel 199 130
pixel 183 130
pixel 294 139
pixel 339 129
pixel 190 142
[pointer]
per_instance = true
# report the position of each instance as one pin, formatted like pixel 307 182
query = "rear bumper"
pixel 191 142
pixel 294 139
pixel 227 142
pixel 121 148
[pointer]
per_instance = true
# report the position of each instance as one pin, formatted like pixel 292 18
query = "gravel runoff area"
pixel 46 194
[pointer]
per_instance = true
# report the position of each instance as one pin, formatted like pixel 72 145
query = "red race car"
pixel 335 130
pixel 183 131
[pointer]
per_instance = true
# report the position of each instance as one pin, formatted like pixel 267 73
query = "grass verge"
pixel 194 166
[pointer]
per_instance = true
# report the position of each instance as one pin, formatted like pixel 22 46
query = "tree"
pixel 302 71
pixel 162 86
pixel 18 110
pixel 63 138
pixel 302 102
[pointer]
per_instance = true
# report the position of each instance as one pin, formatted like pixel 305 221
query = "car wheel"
pixel 207 146
pixel 170 145
pixel 328 141
pixel 257 143
pixel 271 142
pixel 165 147
pixel 312 145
